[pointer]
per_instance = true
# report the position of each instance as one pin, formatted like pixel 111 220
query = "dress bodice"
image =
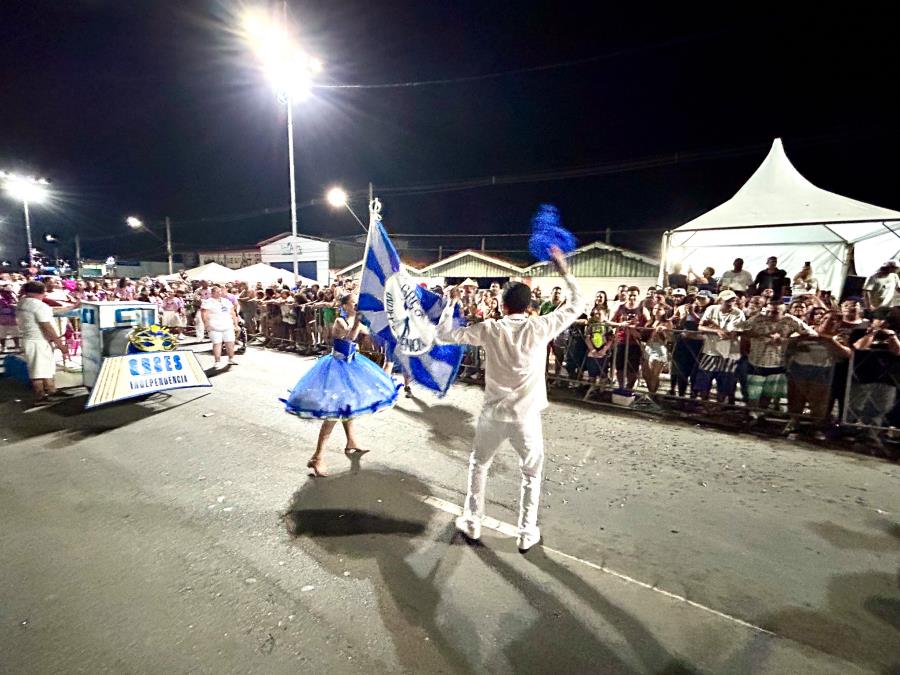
pixel 343 349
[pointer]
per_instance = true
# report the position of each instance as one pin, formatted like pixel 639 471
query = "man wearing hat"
pixel 881 288
pixel 679 295
pixel 721 347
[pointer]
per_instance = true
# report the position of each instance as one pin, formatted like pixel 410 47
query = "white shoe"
pixel 469 527
pixel 524 542
pixel 232 362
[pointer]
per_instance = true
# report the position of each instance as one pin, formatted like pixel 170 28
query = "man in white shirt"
pixel 881 288
pixel 220 319
pixel 515 393
pixel 36 331
pixel 738 279
pixel 721 349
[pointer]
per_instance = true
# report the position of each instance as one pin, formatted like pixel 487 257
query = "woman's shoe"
pixel 315 466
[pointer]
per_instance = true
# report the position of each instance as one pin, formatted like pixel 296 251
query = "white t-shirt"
pixel 219 313
pixel 712 343
pixel 883 289
pixel 736 281
pixel 29 313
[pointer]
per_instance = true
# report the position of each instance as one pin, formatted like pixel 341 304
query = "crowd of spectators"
pixel 769 341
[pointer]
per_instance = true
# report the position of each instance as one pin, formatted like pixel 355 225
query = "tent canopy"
pixel 267 274
pixel 213 272
pixel 779 212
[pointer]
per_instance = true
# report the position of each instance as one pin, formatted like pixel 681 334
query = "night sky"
pixel 156 108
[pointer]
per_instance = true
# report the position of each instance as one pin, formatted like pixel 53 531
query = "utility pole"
pixel 169 241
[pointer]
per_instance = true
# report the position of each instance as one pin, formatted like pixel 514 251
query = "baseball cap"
pixel 692 290
pixel 679 291
pixel 705 294
pixel 727 295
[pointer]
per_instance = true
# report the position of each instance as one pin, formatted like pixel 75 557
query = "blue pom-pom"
pixel 547 231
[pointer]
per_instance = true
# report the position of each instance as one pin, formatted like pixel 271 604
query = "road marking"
pixel 510 531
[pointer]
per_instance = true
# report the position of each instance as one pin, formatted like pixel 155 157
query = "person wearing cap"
pixel 721 348
pixel 881 288
pixel 679 296
pixel 737 279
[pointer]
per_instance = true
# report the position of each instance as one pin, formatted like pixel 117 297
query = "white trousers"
pixel 527 440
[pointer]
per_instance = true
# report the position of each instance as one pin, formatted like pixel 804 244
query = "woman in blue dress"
pixel 341 386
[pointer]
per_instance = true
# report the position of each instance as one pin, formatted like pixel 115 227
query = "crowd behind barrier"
pixel 766 348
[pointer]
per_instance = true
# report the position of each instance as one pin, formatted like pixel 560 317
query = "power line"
pixel 521 71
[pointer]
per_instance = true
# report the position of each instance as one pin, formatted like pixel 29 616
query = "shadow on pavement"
pixel 559 641
pixel 365 522
pixel 655 657
pixel 374 525
pixel 69 418
pixel 860 619
pixel 445 422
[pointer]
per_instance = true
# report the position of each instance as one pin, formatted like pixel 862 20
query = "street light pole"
pixel 290 128
pixel 27 190
pixel 28 234
pixel 169 242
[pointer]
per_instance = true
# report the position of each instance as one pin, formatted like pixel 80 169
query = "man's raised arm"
pixel 464 335
pixel 566 314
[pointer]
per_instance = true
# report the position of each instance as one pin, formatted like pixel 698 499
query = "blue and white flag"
pixel 403 316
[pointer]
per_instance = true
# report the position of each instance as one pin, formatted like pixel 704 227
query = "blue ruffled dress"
pixel 341 386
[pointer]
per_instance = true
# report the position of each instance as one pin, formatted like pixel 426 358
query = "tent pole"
pixel 848 266
pixel 663 258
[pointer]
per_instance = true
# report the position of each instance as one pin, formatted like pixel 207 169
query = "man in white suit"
pixel 515 393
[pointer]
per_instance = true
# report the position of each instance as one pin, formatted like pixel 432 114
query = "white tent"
pixel 778 212
pixel 268 274
pixel 213 272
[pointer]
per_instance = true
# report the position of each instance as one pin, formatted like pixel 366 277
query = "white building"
pixel 312 254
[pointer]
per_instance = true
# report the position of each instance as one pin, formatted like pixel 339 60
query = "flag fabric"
pixel 403 316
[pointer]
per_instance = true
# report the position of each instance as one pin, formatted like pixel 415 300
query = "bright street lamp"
pixel 137 224
pixel 291 72
pixel 338 198
pixel 26 189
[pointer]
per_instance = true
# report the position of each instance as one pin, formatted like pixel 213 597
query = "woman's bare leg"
pixel 315 462
pixel 352 443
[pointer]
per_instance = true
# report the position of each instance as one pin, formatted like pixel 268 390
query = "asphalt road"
pixel 182 534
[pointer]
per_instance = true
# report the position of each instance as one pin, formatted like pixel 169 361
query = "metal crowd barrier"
pixel 863 389
pixel 859 395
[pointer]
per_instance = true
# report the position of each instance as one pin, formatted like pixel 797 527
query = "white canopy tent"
pixel 267 275
pixel 778 212
pixel 213 272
